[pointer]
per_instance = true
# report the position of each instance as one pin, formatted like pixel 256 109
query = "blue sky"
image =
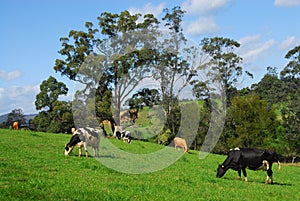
pixel 30 32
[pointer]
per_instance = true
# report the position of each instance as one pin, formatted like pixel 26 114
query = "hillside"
pixel 35 168
pixel 3 118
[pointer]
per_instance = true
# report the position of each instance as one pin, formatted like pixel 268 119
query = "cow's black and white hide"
pixel 254 159
pixel 84 137
pixel 117 132
pixel 126 136
pixel 118 135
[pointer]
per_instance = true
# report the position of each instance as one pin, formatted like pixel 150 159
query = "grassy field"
pixel 33 167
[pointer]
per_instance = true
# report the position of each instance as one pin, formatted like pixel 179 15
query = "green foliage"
pixel 292 69
pixel 41 121
pixel 174 18
pixel 112 59
pixel 250 123
pixel 34 168
pixel 165 137
pixel 15 115
pixel 118 65
pixel 291 112
pixel 50 90
pixel 270 88
pixel 144 97
pixel 223 65
pixel 204 123
pixel 56 115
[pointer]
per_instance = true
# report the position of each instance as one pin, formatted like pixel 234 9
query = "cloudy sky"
pixel 30 32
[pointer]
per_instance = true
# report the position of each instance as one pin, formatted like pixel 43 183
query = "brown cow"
pixel 180 142
pixel 15 125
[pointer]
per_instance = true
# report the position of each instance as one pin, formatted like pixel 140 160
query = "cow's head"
pixel 221 170
pixel 68 150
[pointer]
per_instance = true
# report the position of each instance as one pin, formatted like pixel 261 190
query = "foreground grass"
pixel 33 167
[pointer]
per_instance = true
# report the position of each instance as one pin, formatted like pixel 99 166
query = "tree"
pixel 251 123
pixel 15 115
pixel 50 90
pixel 222 65
pixel 221 69
pixel 173 67
pixel 270 88
pixel 116 59
pixel 291 111
pixel 144 97
pixel 56 115
pixel 292 69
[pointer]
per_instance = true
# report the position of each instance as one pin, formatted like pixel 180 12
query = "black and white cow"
pixel 117 132
pixel 126 136
pixel 84 137
pixel 254 159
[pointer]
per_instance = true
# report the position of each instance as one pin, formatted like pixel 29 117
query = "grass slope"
pixel 33 167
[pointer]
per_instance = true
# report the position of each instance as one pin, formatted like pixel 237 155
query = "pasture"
pixel 33 167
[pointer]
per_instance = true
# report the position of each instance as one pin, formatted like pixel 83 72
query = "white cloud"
pixel 7 76
pixel 148 8
pixel 204 25
pixel 288 43
pixel 252 47
pixel 14 97
pixel 286 3
pixel 200 7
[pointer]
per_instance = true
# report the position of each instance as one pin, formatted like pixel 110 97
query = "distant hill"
pixel 3 118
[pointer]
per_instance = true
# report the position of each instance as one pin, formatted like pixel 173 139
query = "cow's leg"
pixel 85 148
pixel 245 174
pixel 80 151
pixel 269 174
pixel 239 175
pixel 95 151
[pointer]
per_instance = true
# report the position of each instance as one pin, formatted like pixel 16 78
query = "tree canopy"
pixel 111 59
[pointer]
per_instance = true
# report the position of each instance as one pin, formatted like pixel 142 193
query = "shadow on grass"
pixel 280 184
pixel 90 156
pixel 258 182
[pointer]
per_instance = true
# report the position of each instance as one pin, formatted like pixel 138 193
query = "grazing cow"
pixel 117 132
pixel 84 137
pixel 15 125
pixel 255 159
pixel 126 136
pixel 180 142
pixel 118 135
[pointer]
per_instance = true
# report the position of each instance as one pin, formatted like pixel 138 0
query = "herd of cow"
pixel 238 159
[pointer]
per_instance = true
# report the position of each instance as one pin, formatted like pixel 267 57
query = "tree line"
pixel 110 62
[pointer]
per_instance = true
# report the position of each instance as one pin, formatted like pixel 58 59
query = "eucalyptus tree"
pixel 271 88
pixel 291 111
pixel 55 115
pixel 50 90
pixel 15 115
pixel 174 65
pixel 221 69
pixel 222 64
pixel 111 60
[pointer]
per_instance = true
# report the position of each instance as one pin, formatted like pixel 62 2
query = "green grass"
pixel 33 167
